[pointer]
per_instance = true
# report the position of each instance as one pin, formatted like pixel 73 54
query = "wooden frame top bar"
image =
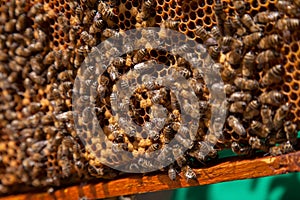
pixel 228 170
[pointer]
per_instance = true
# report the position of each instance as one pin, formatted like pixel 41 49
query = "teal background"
pixel 279 187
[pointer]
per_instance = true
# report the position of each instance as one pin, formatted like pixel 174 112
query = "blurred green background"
pixel 279 187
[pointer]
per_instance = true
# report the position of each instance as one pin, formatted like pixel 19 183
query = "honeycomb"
pixel 255 47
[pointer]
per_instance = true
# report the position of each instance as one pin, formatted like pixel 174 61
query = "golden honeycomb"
pixel 255 47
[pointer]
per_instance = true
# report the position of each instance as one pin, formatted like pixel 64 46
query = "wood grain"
pixel 228 170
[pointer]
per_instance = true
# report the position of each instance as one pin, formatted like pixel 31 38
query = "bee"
pixel 20 60
pixel 248 64
pixel 259 129
pixel 183 49
pixel 65 89
pixel 272 76
pixel 231 42
pixel 139 55
pixel 202 33
pixel 267 17
pixel 234 57
pixel 146 9
pixel 273 98
pixel 172 173
pixel 236 24
pixel 281 149
pixel 269 41
pixel 247 20
pixel 189 173
pixel 79 14
pixel 239 6
pixel 280 115
pixel 214 52
pixel 229 89
pixel 184 72
pixel 237 107
pixel 265 58
pixel 89 17
pixel 252 110
pixel 236 125
pixel 153 147
pixel 36 78
pixel 65 75
pixel 252 39
pixel 216 33
pixel 290 24
pixel 107 13
pixel 228 28
pixel 266 116
pixel 87 38
pixel 228 73
pixel 119 62
pixel 291 132
pixel 257 143
pixel 219 13
pixel 288 8
pixel 171 24
pixel 246 84
pixel 108 32
pixel 113 72
pixel 49 58
pixel 97 26
pixel 240 150
pixel 240 96
pixel 21 51
pixel 35 9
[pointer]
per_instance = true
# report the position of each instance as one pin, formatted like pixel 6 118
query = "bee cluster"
pixel 255 47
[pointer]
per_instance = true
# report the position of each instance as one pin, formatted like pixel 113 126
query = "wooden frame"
pixel 228 169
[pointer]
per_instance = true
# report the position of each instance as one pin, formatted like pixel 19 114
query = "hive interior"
pixel 43 44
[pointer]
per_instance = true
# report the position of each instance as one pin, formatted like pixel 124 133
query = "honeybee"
pixel 240 29
pixel 35 9
pixel 273 98
pixel 237 107
pixel 247 20
pixel 251 110
pixel 269 41
pixel 291 132
pixel 184 72
pixel 219 12
pixel 108 32
pixel 288 8
pixel 231 42
pixel 189 173
pixel 248 64
pixel 171 24
pixel 202 33
pixel 240 96
pixel 146 9
pixel 216 32
pixel 228 73
pixel 240 150
pixel 172 173
pixel 106 12
pixel 89 17
pixel 272 76
pixel 229 89
pixel 119 62
pixel 214 52
pixel 79 13
pixel 87 38
pixel 280 115
pixel 153 135
pixel 97 26
pixel 236 125
pixel 234 57
pixel 246 84
pixel 239 6
pixel 265 58
pixel 259 129
pixel 65 89
pixel 65 75
pixel 113 72
pixel 139 55
pixel 252 39
pixel 257 143
pixel 266 116
pixel 290 24
pixel 228 28
pixel 36 78
pixel 266 17
pixel 281 149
